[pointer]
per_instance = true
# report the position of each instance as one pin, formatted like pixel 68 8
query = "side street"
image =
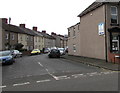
pixel 85 59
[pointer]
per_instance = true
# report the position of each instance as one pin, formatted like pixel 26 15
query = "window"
pixel 7 36
pixel 78 27
pixel 74 31
pixel 31 38
pixel 68 33
pixel 114 15
pixel 27 38
pixel 74 47
pixel 115 43
pixel 21 37
pixel 39 39
pixel 13 37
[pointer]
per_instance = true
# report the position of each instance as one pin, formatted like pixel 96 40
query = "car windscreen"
pixel 35 50
pixel 54 50
pixel 7 53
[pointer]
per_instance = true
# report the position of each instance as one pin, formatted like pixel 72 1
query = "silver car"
pixel 16 53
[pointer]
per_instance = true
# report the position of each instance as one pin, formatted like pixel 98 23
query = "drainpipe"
pixel 9 37
pixel 106 52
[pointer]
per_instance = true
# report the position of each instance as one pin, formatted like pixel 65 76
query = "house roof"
pixel 38 33
pixel 74 25
pixel 28 31
pixel 12 28
pixel 47 35
pixel 92 7
pixel 95 5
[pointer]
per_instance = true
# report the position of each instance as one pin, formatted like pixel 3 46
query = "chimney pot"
pixel 43 31
pixel 22 25
pixel 35 28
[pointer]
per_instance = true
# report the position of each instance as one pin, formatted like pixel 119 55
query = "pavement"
pixel 93 62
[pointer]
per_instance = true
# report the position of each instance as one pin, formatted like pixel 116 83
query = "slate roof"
pixel 47 35
pixel 92 7
pixel 95 5
pixel 12 28
pixel 37 33
pixel 28 31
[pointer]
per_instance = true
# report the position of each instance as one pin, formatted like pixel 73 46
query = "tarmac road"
pixel 40 73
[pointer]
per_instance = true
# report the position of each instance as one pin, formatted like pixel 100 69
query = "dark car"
pixel 6 57
pixel 54 53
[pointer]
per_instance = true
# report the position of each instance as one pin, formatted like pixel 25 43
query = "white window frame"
pixel 114 14
pixel 74 47
pixel 117 41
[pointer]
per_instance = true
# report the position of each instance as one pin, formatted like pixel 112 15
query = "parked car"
pixel 62 51
pixel 6 57
pixel 35 51
pixel 16 53
pixel 46 50
pixel 54 53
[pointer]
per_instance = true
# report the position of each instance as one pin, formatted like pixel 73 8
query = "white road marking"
pixel 78 75
pixel 29 75
pixel 62 77
pixel 106 72
pixel 56 78
pixel 92 74
pixel 19 84
pixel 40 64
pixel 43 81
pixel 3 86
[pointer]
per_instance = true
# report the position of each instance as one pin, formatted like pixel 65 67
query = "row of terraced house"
pixel 29 38
pixel 97 35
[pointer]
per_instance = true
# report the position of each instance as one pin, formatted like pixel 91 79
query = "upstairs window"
pixel 31 38
pixel 13 37
pixel 74 31
pixel 21 38
pixel 114 15
pixel 7 36
pixel 68 32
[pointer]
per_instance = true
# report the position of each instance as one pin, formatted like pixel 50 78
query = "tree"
pixel 18 46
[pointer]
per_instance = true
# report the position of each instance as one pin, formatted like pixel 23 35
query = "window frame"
pixel 115 41
pixel 7 36
pixel 114 14
pixel 13 37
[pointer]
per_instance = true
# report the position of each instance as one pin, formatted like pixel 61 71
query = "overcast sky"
pixel 50 15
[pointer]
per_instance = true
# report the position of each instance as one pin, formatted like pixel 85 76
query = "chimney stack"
pixel 5 20
pixel 43 31
pixel 52 33
pixel 22 25
pixel 35 28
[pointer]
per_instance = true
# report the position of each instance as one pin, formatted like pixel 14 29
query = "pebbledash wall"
pixel 87 42
pixel 91 43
